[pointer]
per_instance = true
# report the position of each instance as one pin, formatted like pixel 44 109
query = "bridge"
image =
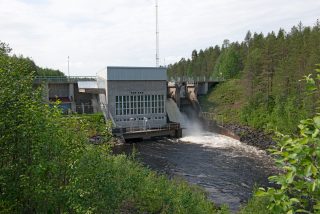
pixel 74 79
pixel 178 87
pixel 63 79
pixel 183 90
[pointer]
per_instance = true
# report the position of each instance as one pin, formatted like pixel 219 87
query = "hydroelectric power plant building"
pixel 139 101
pixel 134 96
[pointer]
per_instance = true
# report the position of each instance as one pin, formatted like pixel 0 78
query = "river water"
pixel 226 168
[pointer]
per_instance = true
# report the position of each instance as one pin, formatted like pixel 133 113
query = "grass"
pixel 256 205
pixel 225 100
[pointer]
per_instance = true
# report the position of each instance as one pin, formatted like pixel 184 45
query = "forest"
pixel 262 75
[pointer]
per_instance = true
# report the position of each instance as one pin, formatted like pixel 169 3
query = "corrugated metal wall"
pixel 136 73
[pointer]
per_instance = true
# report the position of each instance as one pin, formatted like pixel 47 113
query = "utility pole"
pixel 68 67
pixel 157 36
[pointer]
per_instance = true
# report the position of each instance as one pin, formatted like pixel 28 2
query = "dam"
pixel 140 101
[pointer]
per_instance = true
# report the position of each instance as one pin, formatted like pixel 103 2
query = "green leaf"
pixel 261 192
pixel 314 170
pixel 302 211
pixel 314 185
pixel 317 206
pixel 315 133
pixel 294 200
pixel 290 177
pixel 307 170
pixel 317 121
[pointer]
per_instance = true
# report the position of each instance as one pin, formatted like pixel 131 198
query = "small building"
pixel 134 96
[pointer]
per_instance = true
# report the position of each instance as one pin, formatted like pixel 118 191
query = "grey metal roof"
pixel 136 73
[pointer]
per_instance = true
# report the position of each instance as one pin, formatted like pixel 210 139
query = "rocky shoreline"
pixel 251 136
pixel 245 134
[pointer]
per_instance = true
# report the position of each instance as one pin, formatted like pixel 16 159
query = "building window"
pixel 131 105
pixel 139 104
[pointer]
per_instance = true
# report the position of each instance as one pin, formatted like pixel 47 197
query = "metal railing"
pixel 85 109
pixel 219 119
pixel 193 80
pixel 136 129
pixel 63 79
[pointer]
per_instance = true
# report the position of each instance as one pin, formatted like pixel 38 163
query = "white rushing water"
pixel 214 140
pixel 193 133
pixel 173 111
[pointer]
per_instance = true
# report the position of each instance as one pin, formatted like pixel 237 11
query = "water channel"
pixel 226 168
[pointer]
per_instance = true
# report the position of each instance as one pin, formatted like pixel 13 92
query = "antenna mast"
pixel 157 36
pixel 68 67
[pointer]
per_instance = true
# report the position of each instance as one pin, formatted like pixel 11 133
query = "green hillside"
pixel 263 75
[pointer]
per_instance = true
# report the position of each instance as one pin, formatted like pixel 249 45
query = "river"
pixel 226 168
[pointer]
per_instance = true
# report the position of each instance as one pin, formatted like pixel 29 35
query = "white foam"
pixel 193 133
pixel 214 140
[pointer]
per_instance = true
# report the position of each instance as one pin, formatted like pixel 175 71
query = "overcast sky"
pixel 100 33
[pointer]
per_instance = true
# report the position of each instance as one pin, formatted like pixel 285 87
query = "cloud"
pixel 98 33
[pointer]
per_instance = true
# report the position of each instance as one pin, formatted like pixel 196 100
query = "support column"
pixel 46 92
pixel 71 97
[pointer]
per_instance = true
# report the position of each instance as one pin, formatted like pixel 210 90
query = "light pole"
pixel 145 120
pixel 68 67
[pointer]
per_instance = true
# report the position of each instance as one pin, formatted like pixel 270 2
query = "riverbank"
pixel 250 136
pixel 244 134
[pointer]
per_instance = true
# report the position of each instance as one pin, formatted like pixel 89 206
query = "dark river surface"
pixel 226 168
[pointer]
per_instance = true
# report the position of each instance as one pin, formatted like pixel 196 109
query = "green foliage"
pixel 282 113
pixel 121 184
pixel 92 125
pixel 268 68
pixel 35 149
pixel 48 72
pixel 300 183
pixel 4 48
pixel 256 205
pixel 201 64
pixel 298 157
pixel 28 64
pixel 228 63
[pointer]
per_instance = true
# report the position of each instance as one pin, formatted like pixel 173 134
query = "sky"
pixel 100 33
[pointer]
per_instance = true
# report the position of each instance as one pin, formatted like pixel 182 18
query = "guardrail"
pixel 193 80
pixel 123 130
pixel 63 79
pixel 219 119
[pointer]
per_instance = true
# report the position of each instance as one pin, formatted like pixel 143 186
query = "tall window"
pixel 139 104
